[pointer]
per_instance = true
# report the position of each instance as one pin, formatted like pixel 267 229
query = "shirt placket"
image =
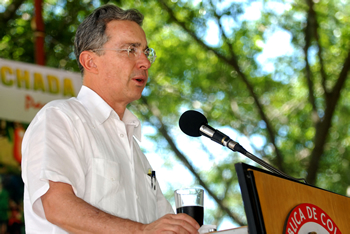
pixel 124 133
pixel 130 129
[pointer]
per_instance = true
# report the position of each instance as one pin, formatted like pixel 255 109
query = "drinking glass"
pixel 190 201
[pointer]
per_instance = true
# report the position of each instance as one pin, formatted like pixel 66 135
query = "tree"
pixel 297 109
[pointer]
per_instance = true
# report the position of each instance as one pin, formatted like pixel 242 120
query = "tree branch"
pixel 323 125
pixel 308 75
pixel 323 128
pixel 226 40
pixel 314 31
pixel 234 63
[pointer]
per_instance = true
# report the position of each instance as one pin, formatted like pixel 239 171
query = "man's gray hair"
pixel 91 35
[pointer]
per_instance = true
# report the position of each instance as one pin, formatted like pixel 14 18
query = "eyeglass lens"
pixel 149 52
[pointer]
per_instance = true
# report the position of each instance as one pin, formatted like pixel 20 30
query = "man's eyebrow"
pixel 134 44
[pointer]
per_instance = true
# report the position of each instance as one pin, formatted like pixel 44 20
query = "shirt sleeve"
pixel 163 204
pixel 52 151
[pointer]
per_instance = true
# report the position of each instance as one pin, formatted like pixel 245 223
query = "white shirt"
pixel 81 141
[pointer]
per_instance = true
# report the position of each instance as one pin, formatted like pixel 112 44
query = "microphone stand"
pixel 234 146
pixel 222 139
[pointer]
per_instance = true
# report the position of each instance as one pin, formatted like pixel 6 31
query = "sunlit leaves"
pixel 193 72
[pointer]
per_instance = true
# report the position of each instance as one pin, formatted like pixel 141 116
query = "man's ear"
pixel 86 59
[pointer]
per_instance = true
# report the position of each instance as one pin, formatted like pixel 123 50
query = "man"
pixel 82 168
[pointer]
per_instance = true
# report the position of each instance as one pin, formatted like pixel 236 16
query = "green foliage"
pixel 288 107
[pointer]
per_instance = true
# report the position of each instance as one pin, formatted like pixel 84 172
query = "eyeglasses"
pixel 134 53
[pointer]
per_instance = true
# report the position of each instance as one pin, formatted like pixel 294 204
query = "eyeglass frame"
pixel 151 58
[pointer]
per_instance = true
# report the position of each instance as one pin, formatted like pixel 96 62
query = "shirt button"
pixel 121 135
pixel 112 179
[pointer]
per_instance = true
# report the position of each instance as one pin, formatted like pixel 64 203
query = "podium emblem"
pixel 310 219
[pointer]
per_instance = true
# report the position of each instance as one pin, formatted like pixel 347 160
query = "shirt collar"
pixel 99 109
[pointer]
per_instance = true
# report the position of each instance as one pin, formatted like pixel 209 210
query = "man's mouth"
pixel 140 81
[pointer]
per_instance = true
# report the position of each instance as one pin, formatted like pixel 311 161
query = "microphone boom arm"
pixel 224 140
pixel 237 147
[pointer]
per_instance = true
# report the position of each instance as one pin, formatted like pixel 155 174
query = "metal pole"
pixel 39 34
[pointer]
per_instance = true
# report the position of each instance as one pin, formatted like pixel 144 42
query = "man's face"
pixel 121 78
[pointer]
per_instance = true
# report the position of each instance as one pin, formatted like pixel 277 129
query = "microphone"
pixel 195 124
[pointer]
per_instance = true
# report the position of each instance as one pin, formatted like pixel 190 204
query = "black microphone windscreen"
pixel 191 121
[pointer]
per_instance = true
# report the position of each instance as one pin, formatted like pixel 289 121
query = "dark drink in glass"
pixel 195 212
pixel 190 201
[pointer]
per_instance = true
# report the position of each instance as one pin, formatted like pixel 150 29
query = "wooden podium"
pixel 269 199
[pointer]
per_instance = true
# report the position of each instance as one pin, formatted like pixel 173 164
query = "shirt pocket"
pixel 108 192
pixel 151 196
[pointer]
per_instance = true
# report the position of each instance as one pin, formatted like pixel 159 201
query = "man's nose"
pixel 143 62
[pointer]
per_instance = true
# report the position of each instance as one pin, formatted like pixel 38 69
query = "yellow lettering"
pixel 68 88
pixel 6 70
pixel 26 79
pixel 54 85
pixel 38 82
pixel 23 77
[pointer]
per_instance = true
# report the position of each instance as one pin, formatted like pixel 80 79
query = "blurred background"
pixel 271 74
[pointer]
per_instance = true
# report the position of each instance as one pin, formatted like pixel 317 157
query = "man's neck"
pixel 118 106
